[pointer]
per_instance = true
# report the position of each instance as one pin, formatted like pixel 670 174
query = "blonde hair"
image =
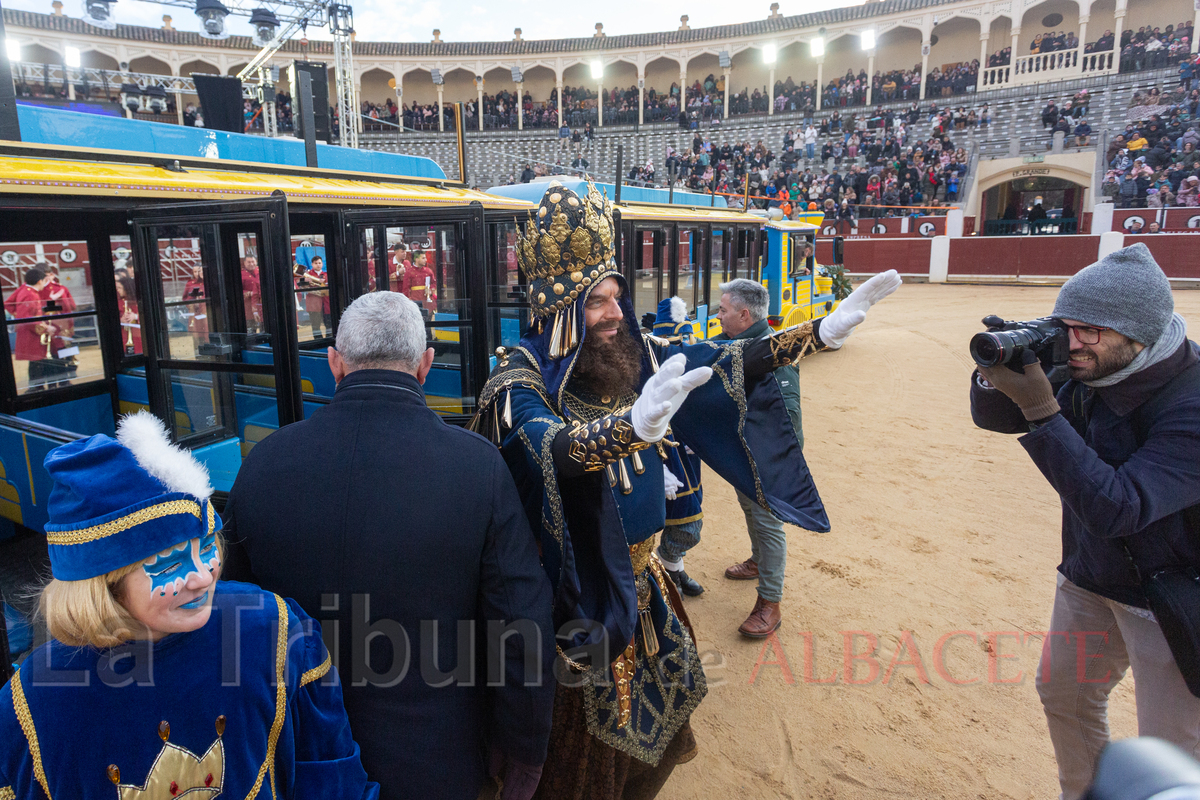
pixel 89 613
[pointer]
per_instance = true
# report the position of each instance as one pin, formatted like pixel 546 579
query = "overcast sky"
pixel 482 20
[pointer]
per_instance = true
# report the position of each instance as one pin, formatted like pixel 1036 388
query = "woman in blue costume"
pixel 581 410
pixel 160 681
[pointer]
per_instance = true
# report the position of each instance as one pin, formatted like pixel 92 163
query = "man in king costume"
pixel 581 409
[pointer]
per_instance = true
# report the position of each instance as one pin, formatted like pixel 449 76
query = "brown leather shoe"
pixel 745 571
pixel 764 620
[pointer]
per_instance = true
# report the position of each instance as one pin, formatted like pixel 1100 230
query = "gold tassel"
pixel 495 425
pixel 508 407
pixel 573 337
pixel 649 637
pixel 638 466
pixel 556 337
pixel 626 484
pixel 653 359
pixel 612 476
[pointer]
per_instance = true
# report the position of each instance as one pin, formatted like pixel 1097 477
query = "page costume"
pixel 594 495
pixel 245 706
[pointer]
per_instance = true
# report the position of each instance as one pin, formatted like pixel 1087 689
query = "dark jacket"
pixel 375 514
pixel 788 377
pixel 1113 488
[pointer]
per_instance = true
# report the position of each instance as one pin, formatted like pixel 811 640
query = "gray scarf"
pixel 1167 344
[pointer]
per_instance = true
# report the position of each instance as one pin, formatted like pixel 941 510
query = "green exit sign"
pixel 1036 158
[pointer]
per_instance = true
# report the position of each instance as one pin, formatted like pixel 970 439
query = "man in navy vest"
pixel 406 536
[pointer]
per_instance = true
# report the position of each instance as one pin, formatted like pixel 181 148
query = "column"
pixel 1083 21
pixel 983 55
pixel 870 77
pixel 771 92
pixel 479 107
pixel 521 106
pixel 441 111
pixel 924 66
pixel 820 81
pixel 1012 59
pixel 728 80
pixel 178 105
pixel 1119 23
pixel 600 103
pixel 641 98
pixel 1196 27
pixel 560 107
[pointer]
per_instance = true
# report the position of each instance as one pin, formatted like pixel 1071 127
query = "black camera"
pixel 1006 342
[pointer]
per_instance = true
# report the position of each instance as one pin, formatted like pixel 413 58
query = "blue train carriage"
pixel 799 288
pixel 686 248
pixel 207 288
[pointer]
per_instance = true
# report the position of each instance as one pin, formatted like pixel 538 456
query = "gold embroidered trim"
pixel 280 700
pixel 25 718
pixel 7 793
pixel 639 555
pixel 317 672
pixel 792 344
pixel 122 524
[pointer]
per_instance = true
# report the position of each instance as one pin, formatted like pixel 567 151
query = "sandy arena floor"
pixel 939 529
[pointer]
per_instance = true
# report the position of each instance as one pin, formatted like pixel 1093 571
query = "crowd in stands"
pixel 862 172
pixel 1070 119
pixel 1155 161
pixel 1153 48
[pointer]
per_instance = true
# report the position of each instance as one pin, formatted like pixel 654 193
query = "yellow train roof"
pixel 664 213
pixel 21 175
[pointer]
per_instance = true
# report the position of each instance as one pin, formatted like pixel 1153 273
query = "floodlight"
pixel 154 99
pixel 14 49
pixel 517 75
pixel 597 70
pixel 73 58
pixel 99 13
pixel 436 74
pixel 726 61
pixel 131 97
pixel 769 53
pixel 265 24
pixel 817 47
pixel 212 13
pixel 868 39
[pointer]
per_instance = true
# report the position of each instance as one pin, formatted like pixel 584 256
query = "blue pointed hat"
pixel 671 321
pixel 119 501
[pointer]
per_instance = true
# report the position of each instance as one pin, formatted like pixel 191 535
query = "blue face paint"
pixel 197 603
pixel 166 568
pixel 210 555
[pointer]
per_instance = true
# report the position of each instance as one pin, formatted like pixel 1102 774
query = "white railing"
pixel 1041 67
pixel 37 76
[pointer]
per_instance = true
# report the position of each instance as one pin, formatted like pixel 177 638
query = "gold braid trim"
pixel 25 718
pixel 122 524
pixel 792 344
pixel 313 674
pixel 7 793
pixel 280 701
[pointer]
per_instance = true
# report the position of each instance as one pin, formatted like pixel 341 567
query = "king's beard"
pixel 609 366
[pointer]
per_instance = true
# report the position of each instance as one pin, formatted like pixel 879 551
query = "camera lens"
pixel 987 349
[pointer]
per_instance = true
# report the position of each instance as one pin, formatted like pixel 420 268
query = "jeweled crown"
pixel 566 247
pixel 178 771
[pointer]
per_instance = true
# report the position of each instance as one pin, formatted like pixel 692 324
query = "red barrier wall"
pixel 1179 219
pixel 1022 256
pixel 927 226
pixel 908 256
pixel 1177 253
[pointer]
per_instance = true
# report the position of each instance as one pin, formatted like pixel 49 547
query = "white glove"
pixel 662 396
pixel 670 483
pixel 853 310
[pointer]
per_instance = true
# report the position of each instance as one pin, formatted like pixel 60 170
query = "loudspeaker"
pixel 221 99
pixel 320 100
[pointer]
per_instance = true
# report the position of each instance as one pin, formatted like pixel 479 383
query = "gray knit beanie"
pixel 1126 291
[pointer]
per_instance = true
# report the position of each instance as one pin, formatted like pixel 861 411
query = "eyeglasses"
pixel 1087 334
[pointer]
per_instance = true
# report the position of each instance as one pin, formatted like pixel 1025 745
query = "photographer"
pixel 1120 443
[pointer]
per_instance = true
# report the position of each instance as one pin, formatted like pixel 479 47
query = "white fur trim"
pixel 678 309
pixel 146 437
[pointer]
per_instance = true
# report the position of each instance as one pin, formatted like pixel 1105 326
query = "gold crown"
pixel 567 246
pixel 177 771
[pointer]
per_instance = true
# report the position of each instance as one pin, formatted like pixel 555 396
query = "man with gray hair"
pixel 405 538
pixel 743 315
pixel 1120 444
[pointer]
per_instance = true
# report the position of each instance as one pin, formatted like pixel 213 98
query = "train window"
pixel 800 256
pixel 691 243
pixel 424 266
pixel 506 277
pixel 647 275
pixel 449 389
pixel 251 281
pixel 310 276
pixel 717 270
pixel 46 288
pixel 128 306
pixel 186 260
